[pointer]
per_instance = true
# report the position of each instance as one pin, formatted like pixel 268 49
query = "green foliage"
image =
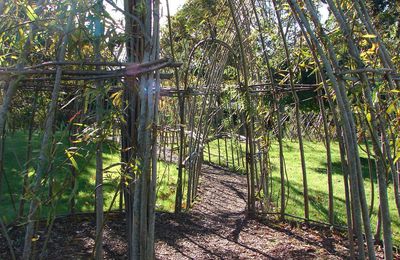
pixel 316 176
pixel 82 160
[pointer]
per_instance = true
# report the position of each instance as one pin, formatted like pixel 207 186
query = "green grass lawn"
pixel 315 154
pixel 15 157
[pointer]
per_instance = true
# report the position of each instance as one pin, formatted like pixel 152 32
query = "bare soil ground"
pixel 216 228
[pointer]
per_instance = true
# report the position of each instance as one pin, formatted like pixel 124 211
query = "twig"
pixel 7 237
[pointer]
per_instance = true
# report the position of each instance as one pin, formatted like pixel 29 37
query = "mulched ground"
pixel 216 228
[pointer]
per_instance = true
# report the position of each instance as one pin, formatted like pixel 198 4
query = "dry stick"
pixel 328 158
pixel 73 170
pixel 226 152
pixel 142 242
pixel 260 159
pixel 372 185
pixel 345 168
pixel 99 196
pixel 348 196
pixel 256 172
pixel 355 53
pixel 150 253
pixel 47 135
pixel 378 229
pixel 191 127
pixel 172 146
pixel 351 139
pixel 181 100
pixel 264 164
pixel 49 229
pixel 281 157
pixel 348 121
pixel 343 160
pixel 97 237
pixel 129 131
pixel 219 152
pixel 203 131
pixel 216 74
pixel 28 156
pixel 8 240
pixel 232 135
pixel 165 144
pixel 195 138
pixel 232 151
pixel 209 154
pixel 379 220
pixel 241 151
pixel 135 117
pixel 249 110
pixel 297 113
pixel 385 141
pixel 273 84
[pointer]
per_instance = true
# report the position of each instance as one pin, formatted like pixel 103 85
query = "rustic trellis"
pixel 200 97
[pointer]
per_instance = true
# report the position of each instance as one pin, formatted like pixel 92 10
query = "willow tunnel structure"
pixel 263 74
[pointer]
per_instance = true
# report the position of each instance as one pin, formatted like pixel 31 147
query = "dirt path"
pixel 216 228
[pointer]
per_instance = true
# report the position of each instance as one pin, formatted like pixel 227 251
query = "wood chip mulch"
pixel 217 227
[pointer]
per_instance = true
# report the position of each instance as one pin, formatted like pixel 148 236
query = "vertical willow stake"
pixel 25 186
pixel 347 120
pixel 297 112
pixel 46 141
pixel 249 111
pixel 99 142
pixel 328 156
pixel 181 100
pixel 281 156
pixel 355 53
pixel 272 78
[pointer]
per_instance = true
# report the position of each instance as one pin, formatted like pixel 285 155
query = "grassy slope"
pixel 315 154
pixel 316 172
pixel 15 155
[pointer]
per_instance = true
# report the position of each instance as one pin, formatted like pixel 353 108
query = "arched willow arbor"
pixel 239 115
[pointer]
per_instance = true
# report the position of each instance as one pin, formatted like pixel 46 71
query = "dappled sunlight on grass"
pixel 315 155
pixel 62 171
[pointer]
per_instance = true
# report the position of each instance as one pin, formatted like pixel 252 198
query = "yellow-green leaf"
pixel 369 36
pixel 72 159
pixel 31 13
pixel 368 117
pixel 391 108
